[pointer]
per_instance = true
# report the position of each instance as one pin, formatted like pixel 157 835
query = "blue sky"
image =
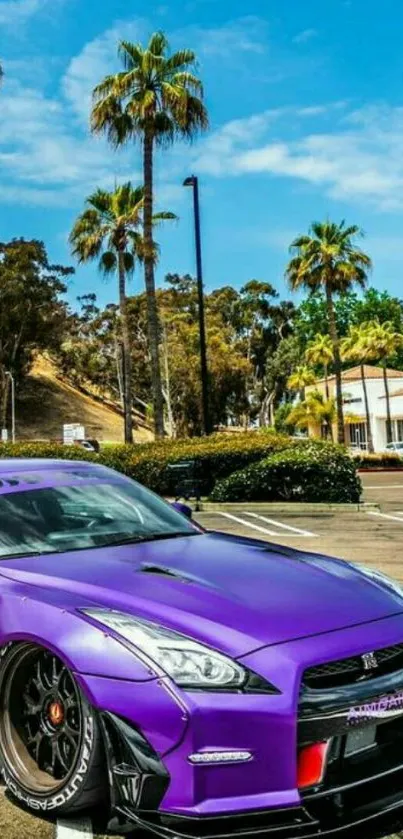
pixel 306 110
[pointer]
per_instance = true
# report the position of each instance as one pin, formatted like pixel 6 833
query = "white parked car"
pixel 395 448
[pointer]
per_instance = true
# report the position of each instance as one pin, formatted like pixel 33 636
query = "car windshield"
pixel 86 515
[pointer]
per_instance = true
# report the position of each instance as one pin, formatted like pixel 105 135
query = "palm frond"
pixel 164 216
pixel 100 201
pixel 158 44
pixel 129 262
pixel 179 60
pixel 190 116
pixel 105 88
pixel 108 263
pixel 130 54
pixel 108 117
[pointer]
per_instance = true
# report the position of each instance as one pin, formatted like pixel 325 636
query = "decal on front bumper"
pixel 362 726
pixel 384 708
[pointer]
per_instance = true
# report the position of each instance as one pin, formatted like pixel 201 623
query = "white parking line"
pixel 385 516
pixel 74 829
pixel 248 524
pixel 296 530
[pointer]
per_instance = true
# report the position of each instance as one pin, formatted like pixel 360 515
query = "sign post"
pixel 73 431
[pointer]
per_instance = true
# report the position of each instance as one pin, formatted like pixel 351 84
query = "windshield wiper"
pixel 27 554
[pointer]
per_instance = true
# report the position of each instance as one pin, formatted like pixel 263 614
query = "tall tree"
pixel 315 411
pixel 358 346
pixel 301 378
pixel 32 315
pixel 328 259
pixel 109 230
pixel 385 342
pixel 155 99
pixel 320 352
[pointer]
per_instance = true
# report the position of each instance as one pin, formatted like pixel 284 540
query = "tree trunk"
pixel 326 383
pixel 4 399
pixel 369 429
pixel 265 413
pixel 119 370
pixel 389 435
pixel 152 314
pixel 127 362
pixel 167 392
pixel 337 365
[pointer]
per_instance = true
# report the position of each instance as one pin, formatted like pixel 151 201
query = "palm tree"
pixel 301 378
pixel 358 346
pixel 320 351
pixel 109 230
pixel 385 343
pixel 154 99
pixel 315 410
pixel 328 259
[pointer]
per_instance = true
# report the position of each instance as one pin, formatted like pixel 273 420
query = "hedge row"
pixel 247 466
pixel 214 457
pixel 304 473
pixel 379 460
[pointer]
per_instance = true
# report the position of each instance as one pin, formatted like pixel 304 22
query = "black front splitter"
pixel 291 824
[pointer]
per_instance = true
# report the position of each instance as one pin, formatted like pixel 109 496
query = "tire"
pixel 51 748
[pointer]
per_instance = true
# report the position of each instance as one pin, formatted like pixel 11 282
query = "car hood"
pixel 235 594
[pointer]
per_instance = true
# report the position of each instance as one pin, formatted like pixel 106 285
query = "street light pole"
pixel 194 183
pixel 11 377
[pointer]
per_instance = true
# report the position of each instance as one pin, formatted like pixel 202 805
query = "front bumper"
pixel 151 729
pixel 368 795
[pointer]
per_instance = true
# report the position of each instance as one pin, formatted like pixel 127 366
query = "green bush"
pixel 215 457
pixel 381 460
pixel 222 461
pixel 304 472
pixel 45 450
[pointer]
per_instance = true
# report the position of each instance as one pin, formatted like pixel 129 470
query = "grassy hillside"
pixel 46 402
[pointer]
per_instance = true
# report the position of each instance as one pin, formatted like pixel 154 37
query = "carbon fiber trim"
pixel 136 774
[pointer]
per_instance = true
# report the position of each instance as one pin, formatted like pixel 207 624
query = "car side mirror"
pixel 182 508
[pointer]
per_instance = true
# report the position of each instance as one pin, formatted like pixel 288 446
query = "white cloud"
pixel 99 57
pixel 361 160
pixel 304 36
pixel 96 60
pixel 50 162
pixel 13 12
pixel 54 161
pixel 243 35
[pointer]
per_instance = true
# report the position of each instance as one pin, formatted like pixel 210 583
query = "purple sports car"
pixel 204 685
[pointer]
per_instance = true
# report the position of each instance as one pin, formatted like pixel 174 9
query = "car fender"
pixel 107 670
pixel 84 647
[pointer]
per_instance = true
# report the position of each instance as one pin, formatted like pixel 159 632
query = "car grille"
pixel 349 670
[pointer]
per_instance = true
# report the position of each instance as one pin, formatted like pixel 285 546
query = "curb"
pixel 289 508
pixel 380 470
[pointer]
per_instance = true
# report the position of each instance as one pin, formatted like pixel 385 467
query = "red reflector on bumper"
pixel 312 764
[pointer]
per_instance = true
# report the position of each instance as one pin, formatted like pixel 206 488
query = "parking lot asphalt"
pixel 373 537
pixel 370 536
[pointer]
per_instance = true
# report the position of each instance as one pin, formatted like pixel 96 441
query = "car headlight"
pixel 383 579
pixel 187 662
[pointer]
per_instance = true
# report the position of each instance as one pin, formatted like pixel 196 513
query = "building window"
pixel 358 434
pixel 397 428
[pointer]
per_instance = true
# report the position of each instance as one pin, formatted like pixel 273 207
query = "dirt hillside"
pixel 46 402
